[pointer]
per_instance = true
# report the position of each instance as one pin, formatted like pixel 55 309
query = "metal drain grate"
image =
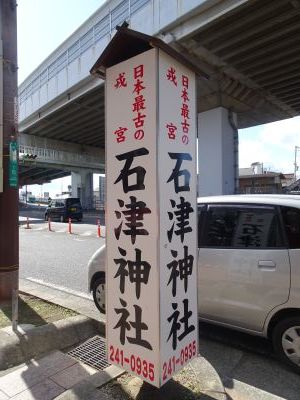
pixel 92 352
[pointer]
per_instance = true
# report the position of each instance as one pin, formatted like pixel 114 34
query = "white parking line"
pixel 21 219
pixel 32 227
pixel 88 233
pixel 61 288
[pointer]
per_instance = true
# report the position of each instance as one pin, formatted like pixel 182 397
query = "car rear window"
pixel 59 203
pixel 73 202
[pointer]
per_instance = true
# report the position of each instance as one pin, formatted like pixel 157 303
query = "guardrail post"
pixel 70 225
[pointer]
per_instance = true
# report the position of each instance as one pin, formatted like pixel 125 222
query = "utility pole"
pixel 9 235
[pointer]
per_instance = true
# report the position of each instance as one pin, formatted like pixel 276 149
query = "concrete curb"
pixel 16 348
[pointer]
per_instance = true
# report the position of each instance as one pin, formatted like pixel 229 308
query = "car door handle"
pixel 266 265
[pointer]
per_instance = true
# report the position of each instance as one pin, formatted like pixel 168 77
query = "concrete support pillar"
pixel 217 153
pixel 82 187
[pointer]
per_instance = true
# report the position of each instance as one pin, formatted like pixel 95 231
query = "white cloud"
pixel 272 144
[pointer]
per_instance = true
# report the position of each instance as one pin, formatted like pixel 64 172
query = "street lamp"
pixel 297 148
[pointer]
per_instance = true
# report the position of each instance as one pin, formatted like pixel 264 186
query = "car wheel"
pixel 62 218
pixel 286 341
pixel 46 217
pixel 99 294
pixel 79 219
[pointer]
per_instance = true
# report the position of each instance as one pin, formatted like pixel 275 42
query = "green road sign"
pixel 13 164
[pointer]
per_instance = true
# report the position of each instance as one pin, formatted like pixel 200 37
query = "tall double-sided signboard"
pixel 151 215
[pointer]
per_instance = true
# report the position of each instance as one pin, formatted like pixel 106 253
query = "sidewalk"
pixel 235 376
pixel 47 377
pixel 221 372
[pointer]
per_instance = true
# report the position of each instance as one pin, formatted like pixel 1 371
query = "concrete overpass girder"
pixel 62 152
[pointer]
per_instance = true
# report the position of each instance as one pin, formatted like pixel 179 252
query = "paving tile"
pixel 53 363
pixel 20 380
pixel 84 391
pixel 100 378
pixel 72 375
pixel 46 390
pixel 3 396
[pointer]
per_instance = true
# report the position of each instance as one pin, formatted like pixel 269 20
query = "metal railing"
pixel 30 153
pixel 102 28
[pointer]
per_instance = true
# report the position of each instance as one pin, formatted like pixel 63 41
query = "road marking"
pixel 61 288
pixel 30 219
pixel 33 227
pixel 88 233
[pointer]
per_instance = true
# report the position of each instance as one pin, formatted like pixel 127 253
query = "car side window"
pixel 291 221
pixel 240 226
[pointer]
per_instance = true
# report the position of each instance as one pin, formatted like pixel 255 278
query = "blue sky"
pixel 44 24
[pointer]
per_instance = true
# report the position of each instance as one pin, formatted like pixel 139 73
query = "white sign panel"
pixel 178 216
pixel 151 303
pixel 131 217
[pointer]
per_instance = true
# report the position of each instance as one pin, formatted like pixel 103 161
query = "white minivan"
pixel 248 268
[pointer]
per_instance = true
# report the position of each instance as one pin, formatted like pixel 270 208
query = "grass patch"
pixel 34 311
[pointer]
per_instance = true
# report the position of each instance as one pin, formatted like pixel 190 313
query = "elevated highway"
pixel 43 159
pixel 249 49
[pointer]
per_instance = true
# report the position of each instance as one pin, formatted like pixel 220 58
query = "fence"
pixel 102 28
pixel 60 156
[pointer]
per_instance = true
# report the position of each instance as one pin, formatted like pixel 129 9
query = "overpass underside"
pixel 80 122
pixel 30 174
pixel 250 51
pixel 251 54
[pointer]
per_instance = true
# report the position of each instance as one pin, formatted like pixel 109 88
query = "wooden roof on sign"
pixel 128 43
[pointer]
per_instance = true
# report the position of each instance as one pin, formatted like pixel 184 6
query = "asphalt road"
pixel 57 258
pixel 35 211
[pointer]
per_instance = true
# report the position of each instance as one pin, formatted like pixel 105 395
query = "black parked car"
pixel 63 209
